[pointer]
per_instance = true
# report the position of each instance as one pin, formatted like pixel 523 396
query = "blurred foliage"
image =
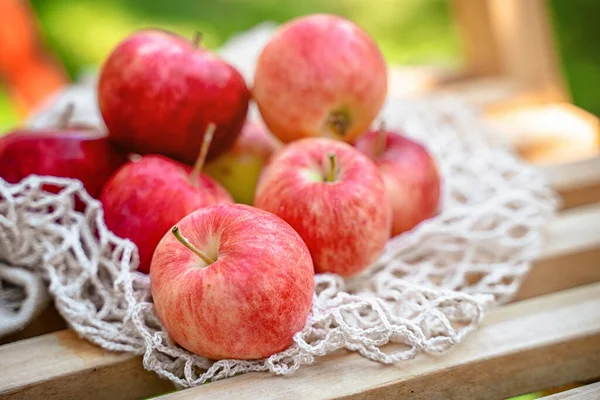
pixel 577 31
pixel 83 32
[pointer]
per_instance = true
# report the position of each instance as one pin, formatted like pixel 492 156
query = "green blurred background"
pixel 82 32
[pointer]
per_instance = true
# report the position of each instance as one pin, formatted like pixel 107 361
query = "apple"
pixel 158 92
pixel 320 75
pixel 410 175
pixel 334 197
pixel 232 282
pixel 66 151
pixel 239 168
pixel 146 197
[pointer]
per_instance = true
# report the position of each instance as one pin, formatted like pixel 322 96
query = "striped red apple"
pixel 320 75
pixel 232 281
pixel 334 197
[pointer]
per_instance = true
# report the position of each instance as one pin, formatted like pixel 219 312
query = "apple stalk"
pixel 381 141
pixel 197 39
pixel 175 231
pixel 65 116
pixel 199 164
pixel 332 175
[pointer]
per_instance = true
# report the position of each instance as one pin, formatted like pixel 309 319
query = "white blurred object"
pixel 549 133
pixel 82 95
pixel 242 51
pixel 23 296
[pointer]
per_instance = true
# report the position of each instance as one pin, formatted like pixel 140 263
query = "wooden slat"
pixel 571 254
pixel 521 347
pixel 62 366
pixel 587 392
pixel 578 183
pixel 61 357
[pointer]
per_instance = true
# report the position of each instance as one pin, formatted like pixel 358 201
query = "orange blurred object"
pixel 27 70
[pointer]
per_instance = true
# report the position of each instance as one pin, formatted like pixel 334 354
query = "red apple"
pixel 320 75
pixel 232 281
pixel 334 197
pixel 145 198
pixel 76 152
pixel 239 168
pixel 410 175
pixel 158 92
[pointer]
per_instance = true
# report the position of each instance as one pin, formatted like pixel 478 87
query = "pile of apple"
pixel 231 280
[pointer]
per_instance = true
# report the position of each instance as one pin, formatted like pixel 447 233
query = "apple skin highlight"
pixel 345 223
pixel 158 93
pixel 247 304
pixel 320 75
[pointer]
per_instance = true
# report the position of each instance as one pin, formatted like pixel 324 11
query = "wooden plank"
pixel 571 254
pixel 587 392
pixel 80 367
pixel 521 347
pixel 578 183
pixel 62 366
pixel 480 47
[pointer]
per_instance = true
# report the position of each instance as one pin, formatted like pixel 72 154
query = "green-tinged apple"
pixel 146 197
pixel 334 197
pixel 158 91
pixel 320 75
pixel 410 175
pixel 239 168
pixel 232 281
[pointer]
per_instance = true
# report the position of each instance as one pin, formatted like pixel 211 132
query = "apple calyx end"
pixel 183 240
pixel 339 122
pixel 332 174
pixel 199 164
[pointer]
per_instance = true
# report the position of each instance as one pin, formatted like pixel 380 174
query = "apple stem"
pixel 197 39
pixel 194 249
pixel 65 116
pixel 331 177
pixel 206 141
pixel 381 140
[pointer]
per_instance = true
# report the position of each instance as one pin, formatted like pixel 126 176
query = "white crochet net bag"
pixel 425 293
